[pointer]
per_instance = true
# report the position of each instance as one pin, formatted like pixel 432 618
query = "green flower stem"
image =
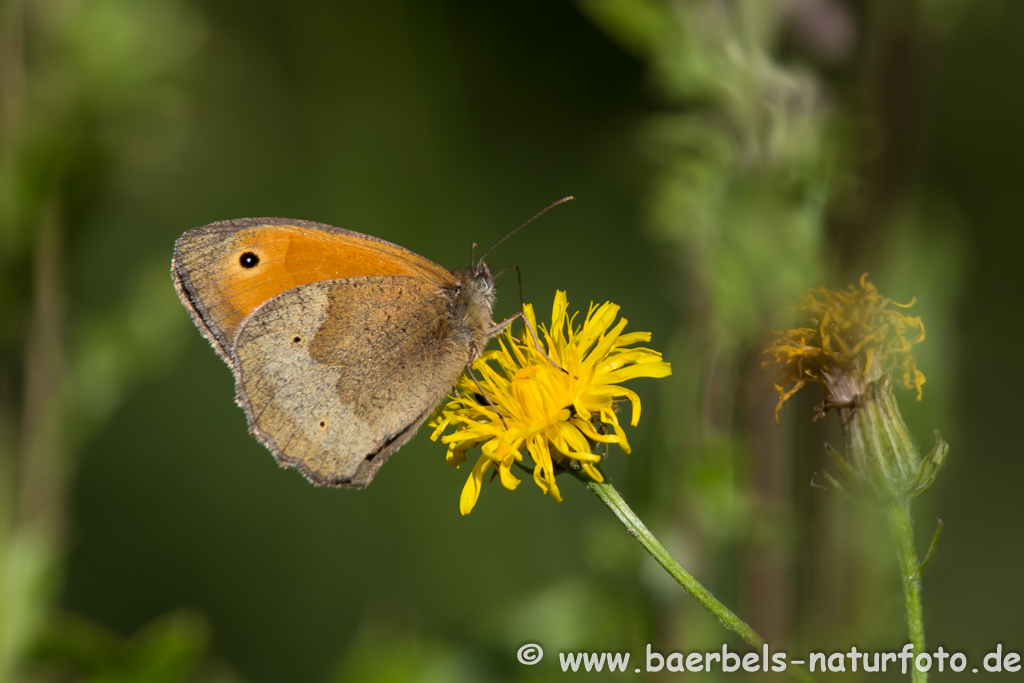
pixel 883 455
pixel 638 530
pixel 901 524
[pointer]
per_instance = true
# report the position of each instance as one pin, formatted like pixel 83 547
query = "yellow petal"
pixel 655 369
pixel 593 472
pixel 508 480
pixel 471 491
pixel 588 429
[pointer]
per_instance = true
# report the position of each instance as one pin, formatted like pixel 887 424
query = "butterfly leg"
pixel 469 371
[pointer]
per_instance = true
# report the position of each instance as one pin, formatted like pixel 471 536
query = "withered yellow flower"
pixel 854 337
pixel 555 401
pixel 856 347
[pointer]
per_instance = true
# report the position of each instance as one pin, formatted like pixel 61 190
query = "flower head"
pixel 855 337
pixel 856 346
pixel 553 400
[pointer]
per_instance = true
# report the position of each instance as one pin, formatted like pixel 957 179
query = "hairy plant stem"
pixel 901 525
pixel 638 530
pixel 883 456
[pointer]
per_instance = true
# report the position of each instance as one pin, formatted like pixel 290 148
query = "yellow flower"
pixel 856 347
pixel 854 338
pixel 555 413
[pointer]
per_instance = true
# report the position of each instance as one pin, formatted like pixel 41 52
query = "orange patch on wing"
pixel 290 256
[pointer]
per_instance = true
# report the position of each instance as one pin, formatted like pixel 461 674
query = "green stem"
pixel 901 524
pixel 638 530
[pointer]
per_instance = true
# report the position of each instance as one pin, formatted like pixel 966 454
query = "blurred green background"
pixel 726 157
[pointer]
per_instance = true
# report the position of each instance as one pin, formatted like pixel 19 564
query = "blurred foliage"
pixel 727 156
pixel 83 84
pixel 744 157
pixel 170 649
pixel 771 139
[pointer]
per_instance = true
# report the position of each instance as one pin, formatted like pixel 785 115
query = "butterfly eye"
pixel 249 260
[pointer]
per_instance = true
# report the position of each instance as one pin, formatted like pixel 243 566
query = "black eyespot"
pixel 249 260
pixel 322 424
pixel 297 340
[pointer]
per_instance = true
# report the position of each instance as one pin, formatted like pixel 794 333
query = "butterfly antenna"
pixel 526 321
pixel 543 211
pixel 500 327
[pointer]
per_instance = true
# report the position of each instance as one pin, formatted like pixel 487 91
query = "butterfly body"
pixel 341 344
